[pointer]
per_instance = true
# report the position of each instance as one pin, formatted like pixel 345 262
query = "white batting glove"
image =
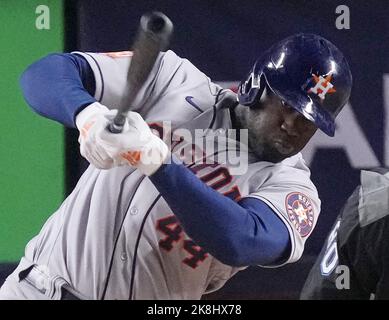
pixel 136 145
pixel 90 122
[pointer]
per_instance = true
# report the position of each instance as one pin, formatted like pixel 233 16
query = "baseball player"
pixel 165 218
pixel 353 263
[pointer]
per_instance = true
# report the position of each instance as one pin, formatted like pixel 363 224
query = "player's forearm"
pixel 241 234
pixel 55 86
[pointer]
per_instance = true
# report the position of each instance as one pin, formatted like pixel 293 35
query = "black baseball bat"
pixel 153 37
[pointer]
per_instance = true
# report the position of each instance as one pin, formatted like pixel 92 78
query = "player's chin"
pixel 272 151
pixel 284 149
pixel 278 152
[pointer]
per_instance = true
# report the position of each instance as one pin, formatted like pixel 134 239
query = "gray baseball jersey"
pixel 115 237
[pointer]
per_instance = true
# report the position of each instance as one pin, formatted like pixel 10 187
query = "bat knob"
pixel 156 22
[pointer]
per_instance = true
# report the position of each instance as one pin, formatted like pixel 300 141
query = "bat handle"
pixel 154 34
pixel 116 126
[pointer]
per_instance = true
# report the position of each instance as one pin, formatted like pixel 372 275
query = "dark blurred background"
pixel 223 39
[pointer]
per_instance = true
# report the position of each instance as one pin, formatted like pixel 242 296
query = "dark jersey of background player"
pixel 359 241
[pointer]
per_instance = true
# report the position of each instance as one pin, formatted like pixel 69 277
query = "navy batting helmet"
pixel 308 73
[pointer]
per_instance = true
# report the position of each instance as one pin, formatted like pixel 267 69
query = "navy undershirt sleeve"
pixel 238 234
pixel 58 86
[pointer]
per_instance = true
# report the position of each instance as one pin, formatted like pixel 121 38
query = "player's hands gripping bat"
pixel 132 136
pixel 136 145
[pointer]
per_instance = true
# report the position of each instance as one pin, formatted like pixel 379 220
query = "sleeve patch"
pixel 300 212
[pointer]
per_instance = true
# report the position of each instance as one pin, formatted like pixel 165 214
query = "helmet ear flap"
pixel 251 91
pixel 262 92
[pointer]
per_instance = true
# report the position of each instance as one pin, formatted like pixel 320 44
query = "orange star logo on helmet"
pixel 322 86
